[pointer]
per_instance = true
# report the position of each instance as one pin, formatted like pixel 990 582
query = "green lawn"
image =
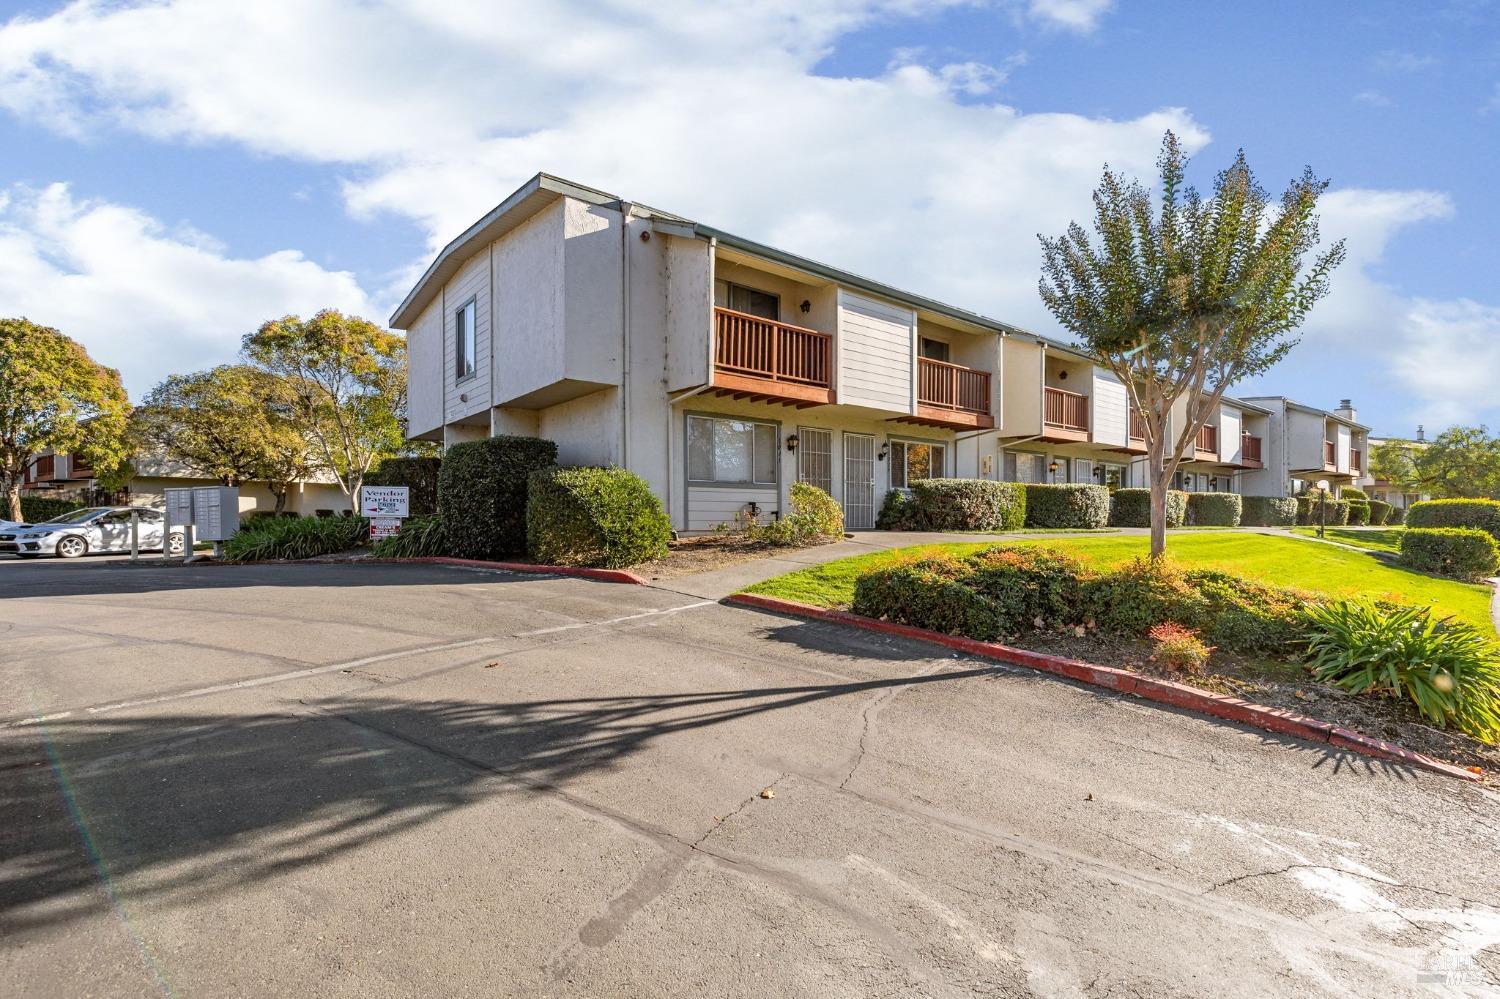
pixel 1286 561
pixel 1376 539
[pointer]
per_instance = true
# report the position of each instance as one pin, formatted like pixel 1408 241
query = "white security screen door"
pixel 815 458
pixel 859 481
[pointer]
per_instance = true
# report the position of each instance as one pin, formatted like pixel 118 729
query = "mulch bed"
pixel 1293 690
pixel 690 555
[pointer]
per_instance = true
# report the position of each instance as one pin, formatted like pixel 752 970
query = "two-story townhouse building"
pixel 723 370
pixel 1305 445
pixel 1385 490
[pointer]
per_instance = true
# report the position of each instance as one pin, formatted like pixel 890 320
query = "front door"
pixel 815 458
pixel 859 481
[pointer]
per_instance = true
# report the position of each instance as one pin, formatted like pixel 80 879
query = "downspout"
pixel 625 210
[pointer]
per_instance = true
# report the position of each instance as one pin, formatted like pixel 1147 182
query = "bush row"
pixel 955 505
pixel 1335 511
pixel 1214 509
pixel 1074 506
pixel 1005 590
pixel 1380 512
pixel 1132 508
pixel 482 493
pixel 35 509
pixel 1480 514
pixel 1460 552
pixel 1268 511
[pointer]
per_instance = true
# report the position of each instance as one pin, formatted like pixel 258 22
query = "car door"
pixel 150 530
pixel 112 532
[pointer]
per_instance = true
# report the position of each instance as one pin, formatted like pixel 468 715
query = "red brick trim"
pixel 1129 682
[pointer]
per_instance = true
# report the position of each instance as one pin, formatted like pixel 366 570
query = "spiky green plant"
pixel 419 537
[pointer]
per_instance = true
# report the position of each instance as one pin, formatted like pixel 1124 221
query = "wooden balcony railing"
pixel 1330 455
pixel 1208 441
pixel 1249 447
pixel 1066 410
pixel 952 386
pixel 43 469
pixel 1137 426
pixel 777 352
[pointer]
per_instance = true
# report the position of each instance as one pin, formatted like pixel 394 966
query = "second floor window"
pixel 463 340
pixel 934 350
pixel 754 303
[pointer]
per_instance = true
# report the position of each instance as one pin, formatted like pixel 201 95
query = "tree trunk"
pixel 280 495
pixel 1159 483
pixel 13 498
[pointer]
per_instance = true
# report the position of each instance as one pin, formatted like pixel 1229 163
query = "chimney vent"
pixel 1346 404
pixel 1421 433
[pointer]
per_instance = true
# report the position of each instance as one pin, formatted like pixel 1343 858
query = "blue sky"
pixel 178 171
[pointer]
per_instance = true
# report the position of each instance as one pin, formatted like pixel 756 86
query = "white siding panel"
pixel 711 505
pixel 1341 450
pixel 1231 424
pixel 529 280
pixel 424 377
pixel 1111 409
pixel 875 343
pixel 471 282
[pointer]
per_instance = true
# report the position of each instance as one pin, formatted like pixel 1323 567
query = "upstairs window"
pixel 934 350
pixel 755 303
pixel 463 341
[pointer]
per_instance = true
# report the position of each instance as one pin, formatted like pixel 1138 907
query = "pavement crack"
pixel 719 820
pixel 1353 874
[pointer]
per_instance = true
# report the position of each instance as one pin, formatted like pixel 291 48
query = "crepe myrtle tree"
pixel 53 396
pixel 345 382
pixel 1184 295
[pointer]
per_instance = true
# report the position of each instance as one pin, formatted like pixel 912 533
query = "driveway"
pixel 347 780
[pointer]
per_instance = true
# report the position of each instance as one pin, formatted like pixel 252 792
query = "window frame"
pixel 729 288
pixel 466 342
pixel 923 341
pixel 904 443
pixel 751 483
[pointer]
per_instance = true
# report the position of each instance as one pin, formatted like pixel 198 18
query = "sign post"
pixel 386 506
pixel 135 536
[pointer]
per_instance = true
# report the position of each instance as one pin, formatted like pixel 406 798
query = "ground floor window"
pixel 1024 466
pixel 912 461
pixel 1113 476
pixel 724 450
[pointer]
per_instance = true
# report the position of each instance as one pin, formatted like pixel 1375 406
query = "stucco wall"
pixel 586 429
pixel 689 318
pixel 529 288
pixel 1021 391
pixel 303 498
pixel 424 360
pixel 592 305
pixel 1230 424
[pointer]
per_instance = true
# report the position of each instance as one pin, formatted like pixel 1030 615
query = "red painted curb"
pixel 602 575
pixel 1129 682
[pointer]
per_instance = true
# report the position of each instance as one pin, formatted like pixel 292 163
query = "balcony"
pixel 1250 455
pixel 1206 445
pixel 1356 466
pixel 757 358
pixel 1065 415
pixel 951 395
pixel 1330 457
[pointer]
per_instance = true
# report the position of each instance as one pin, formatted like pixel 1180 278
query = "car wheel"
pixel 71 547
pixel 174 545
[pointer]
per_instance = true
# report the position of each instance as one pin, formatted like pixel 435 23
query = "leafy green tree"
pixel 1186 295
pixel 234 423
pixel 345 379
pixel 1459 463
pixel 54 396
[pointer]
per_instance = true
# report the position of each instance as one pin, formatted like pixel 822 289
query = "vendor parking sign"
pixel 384 501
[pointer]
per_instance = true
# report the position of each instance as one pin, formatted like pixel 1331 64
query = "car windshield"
pixel 78 516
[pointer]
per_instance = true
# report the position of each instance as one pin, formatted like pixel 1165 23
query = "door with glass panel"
pixel 859 481
pixel 815 458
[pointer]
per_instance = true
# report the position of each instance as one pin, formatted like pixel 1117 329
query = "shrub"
pixel 815 518
pixel 482 493
pixel 298 538
pixel 1214 509
pixel 419 537
pixel 1179 648
pixel 1447 669
pixel 1353 493
pixel 35 509
pixel 1335 511
pixel 1477 513
pixel 604 517
pixel 1028 585
pixel 418 475
pixel 1268 511
pixel 1074 505
pixel 927 594
pixel 1359 512
pixel 898 512
pixel 1242 615
pixel 1380 512
pixel 1132 508
pixel 968 504
pixel 1460 552
pixel 1397 516
pixel 256 516
pixel 1139 595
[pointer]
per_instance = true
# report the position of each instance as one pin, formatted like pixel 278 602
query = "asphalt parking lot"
pixel 345 780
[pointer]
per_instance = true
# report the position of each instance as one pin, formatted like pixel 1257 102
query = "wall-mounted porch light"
pixel 885 449
pixel 806 306
pixel 1053 468
pixel 791 442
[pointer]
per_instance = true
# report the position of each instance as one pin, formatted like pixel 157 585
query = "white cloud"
pixel 144 299
pixel 1074 15
pixel 1373 98
pixel 1449 360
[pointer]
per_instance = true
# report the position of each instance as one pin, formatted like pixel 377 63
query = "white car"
pixel 92 529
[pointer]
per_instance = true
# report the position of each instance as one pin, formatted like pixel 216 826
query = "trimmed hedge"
pixel 955 505
pixel 1359 512
pixel 1397 516
pixel 601 517
pixel 482 493
pixel 1336 513
pixel 1353 493
pixel 1482 514
pixel 35 509
pixel 1132 508
pixel 1072 505
pixel 418 475
pixel 1268 511
pixel 1465 553
pixel 1214 509
pixel 1380 512
pixel 1005 590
